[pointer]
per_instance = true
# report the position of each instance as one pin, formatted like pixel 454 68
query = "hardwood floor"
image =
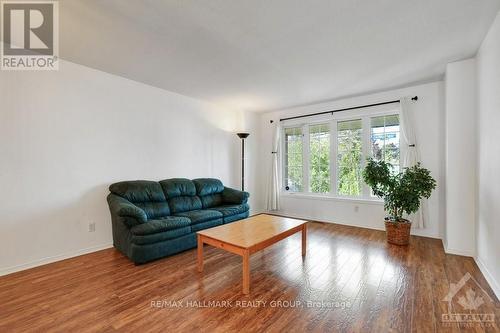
pixel 365 284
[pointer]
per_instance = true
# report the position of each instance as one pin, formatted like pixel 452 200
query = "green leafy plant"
pixel 401 192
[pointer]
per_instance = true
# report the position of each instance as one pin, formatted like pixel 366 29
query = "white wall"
pixel 429 119
pixel 488 212
pixel 66 135
pixel 460 156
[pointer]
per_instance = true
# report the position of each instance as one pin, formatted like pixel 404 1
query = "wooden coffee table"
pixel 248 236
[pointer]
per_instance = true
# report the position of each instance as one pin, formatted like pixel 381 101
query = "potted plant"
pixel 401 192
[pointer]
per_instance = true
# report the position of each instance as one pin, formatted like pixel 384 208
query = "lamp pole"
pixel 242 136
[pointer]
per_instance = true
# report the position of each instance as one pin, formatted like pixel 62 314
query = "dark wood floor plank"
pixel 376 286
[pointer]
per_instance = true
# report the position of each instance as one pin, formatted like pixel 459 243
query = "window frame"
pixel 332 120
pixel 282 158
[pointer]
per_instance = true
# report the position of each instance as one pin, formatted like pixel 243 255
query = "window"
pixel 319 152
pixel 327 158
pixel 349 157
pixel 293 159
pixel 385 140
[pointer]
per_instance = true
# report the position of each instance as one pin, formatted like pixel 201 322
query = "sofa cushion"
pixel 181 195
pixel 141 254
pixel 147 195
pixel 211 200
pixel 154 209
pixel 206 225
pixel 138 191
pixel 202 215
pixel 206 186
pixel 160 225
pixel 210 191
pixel 126 210
pixel 184 204
pixel 232 196
pixel 237 217
pixel 177 187
pixel 162 229
pixel 160 236
pixel 228 210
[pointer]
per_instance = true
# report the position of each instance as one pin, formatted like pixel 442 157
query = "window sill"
pixel 314 196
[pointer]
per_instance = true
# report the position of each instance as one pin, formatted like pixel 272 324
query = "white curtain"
pixel 411 155
pixel 273 199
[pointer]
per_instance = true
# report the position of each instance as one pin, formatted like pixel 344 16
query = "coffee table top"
pixel 253 230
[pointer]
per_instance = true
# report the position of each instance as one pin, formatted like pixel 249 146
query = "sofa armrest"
pixel 123 208
pixel 232 196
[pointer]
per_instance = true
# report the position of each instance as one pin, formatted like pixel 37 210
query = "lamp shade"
pixel 242 135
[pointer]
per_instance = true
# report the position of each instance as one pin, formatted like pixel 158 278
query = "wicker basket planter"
pixel 398 232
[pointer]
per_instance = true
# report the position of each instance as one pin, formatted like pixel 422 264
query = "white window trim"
pixel 333 157
pixel 305 158
pixel 281 159
pixel 328 197
pixel 363 114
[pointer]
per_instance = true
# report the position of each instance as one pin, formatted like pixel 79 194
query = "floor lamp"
pixel 242 136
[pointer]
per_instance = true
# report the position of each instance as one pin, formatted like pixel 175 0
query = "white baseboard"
pixel 445 244
pixel 48 260
pixel 458 252
pixel 494 284
pixel 414 233
pixel 303 217
pixel 423 233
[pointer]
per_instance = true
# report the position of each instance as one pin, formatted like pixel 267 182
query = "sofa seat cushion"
pixel 205 225
pixel 160 236
pixel 229 210
pixel 202 215
pixel 237 217
pixel 160 225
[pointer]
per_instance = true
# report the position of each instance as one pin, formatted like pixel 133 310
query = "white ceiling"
pixel 262 55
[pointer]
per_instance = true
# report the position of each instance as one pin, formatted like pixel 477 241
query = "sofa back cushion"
pixel 181 195
pixel 145 194
pixel 209 190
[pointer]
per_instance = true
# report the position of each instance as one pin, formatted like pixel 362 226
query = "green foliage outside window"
pixel 384 147
pixel 349 157
pixel 319 146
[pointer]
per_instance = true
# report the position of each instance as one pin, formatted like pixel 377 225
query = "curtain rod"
pixel 346 109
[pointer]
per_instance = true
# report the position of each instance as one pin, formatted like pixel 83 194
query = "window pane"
pixel 293 159
pixel 349 147
pixel 385 140
pixel 319 147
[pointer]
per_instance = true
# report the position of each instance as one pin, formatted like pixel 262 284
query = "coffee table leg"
pixel 246 272
pixel 304 239
pixel 200 253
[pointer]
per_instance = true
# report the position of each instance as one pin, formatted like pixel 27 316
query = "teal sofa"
pixel 151 220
